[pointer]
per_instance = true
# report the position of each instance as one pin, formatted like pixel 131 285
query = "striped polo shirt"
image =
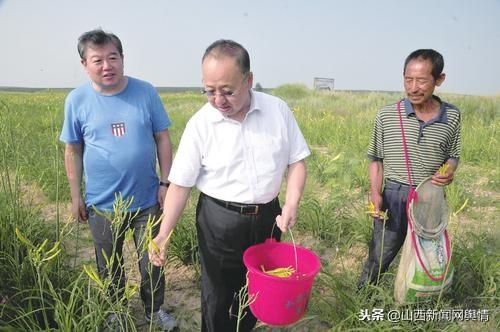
pixel 429 144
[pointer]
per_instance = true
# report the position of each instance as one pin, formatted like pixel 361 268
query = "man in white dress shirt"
pixel 236 150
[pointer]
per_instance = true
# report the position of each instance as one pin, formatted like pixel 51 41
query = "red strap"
pixel 413 196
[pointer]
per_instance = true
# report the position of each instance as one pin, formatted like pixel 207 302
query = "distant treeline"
pixel 159 89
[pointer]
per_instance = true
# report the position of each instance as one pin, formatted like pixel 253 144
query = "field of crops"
pixel 47 276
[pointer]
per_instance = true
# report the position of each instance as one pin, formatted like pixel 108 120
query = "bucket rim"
pixel 302 276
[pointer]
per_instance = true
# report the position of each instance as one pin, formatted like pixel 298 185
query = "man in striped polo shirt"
pixel 432 131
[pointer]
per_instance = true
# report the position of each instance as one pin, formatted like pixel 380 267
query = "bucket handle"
pixel 293 242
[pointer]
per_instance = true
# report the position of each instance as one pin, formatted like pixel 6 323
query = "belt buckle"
pixel 254 212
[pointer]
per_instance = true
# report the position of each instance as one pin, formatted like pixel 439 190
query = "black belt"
pixel 396 184
pixel 249 209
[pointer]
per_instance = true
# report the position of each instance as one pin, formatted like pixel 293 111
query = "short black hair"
pixel 230 48
pixel 433 56
pixel 98 37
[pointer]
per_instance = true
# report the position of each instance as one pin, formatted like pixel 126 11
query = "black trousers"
pixel 382 252
pixel 108 244
pixel 223 236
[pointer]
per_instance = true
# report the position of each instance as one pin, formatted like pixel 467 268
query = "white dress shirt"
pixel 239 162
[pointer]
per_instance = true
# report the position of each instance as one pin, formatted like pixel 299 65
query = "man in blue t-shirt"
pixel 114 128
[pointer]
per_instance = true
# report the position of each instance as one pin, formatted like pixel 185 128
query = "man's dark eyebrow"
pixel 112 53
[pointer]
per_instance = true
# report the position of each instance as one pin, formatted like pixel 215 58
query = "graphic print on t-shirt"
pixel 118 129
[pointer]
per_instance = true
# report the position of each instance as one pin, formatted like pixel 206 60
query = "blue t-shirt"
pixel 119 149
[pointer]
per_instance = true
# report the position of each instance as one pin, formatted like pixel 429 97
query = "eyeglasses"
pixel 225 93
pixel 212 94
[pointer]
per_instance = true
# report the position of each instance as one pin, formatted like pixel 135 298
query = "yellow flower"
pixel 282 272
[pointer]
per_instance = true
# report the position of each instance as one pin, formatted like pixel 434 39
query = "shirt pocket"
pixel 221 157
pixel 270 155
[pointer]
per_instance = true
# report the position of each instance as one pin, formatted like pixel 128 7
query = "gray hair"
pixel 229 48
pixel 98 37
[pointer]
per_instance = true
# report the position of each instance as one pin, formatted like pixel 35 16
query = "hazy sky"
pixel 361 44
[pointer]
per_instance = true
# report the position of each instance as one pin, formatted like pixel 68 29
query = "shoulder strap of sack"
pixel 413 196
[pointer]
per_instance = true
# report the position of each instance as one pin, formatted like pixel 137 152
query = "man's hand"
pixel 162 192
pixel 376 175
pixel 175 201
pixel 443 179
pixel 287 218
pixel 376 198
pixel 78 210
pixel 445 173
pixel 157 250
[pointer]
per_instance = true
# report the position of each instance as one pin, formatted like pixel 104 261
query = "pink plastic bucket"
pixel 280 301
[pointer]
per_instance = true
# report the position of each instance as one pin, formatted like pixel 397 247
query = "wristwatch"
pixel 164 184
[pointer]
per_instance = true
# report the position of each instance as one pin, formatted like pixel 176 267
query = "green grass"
pixel 332 218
